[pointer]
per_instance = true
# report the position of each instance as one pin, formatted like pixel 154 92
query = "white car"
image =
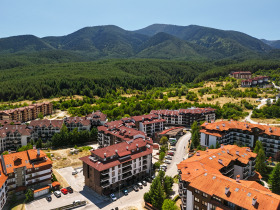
pixel 57 194
pixel 140 185
pixel 167 161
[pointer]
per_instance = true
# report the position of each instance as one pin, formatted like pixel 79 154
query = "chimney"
pixel 238 178
pixel 104 154
pixel 217 127
pixel 116 151
pixel 248 149
pixel 197 154
pixel 227 151
pixel 206 149
pixel 137 145
pixel 254 200
pixel 226 189
pixel 126 148
pixel 220 161
pixel 222 146
pixel 38 152
pixel 237 152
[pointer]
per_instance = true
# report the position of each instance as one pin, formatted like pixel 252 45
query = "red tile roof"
pixel 170 129
pixel 22 129
pixel 46 123
pixel 98 115
pixel 83 120
pixel 41 189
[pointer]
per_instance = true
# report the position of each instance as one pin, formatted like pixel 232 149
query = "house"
pixel 113 167
pixel 217 179
pixel 97 118
pixel 242 133
pixel 260 81
pixel 82 123
pixel 242 75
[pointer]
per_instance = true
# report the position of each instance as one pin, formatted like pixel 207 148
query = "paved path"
pixel 248 118
pixel 181 146
pixel 275 86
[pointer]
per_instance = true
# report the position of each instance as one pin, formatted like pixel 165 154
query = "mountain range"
pixel 155 41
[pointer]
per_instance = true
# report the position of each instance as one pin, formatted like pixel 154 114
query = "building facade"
pixel 111 168
pixel 97 118
pixel 186 117
pixel 242 75
pixel 242 133
pixel 81 123
pixel 257 81
pixel 216 179
pixel 24 114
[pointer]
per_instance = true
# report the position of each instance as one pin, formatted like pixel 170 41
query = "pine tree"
pixel 258 146
pixel 274 179
pixel 260 164
pixel 156 192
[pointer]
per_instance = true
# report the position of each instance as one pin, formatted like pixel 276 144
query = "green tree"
pixel 163 140
pixel 93 134
pixel 157 193
pixel 39 143
pixel 260 162
pixel 212 147
pixel 163 148
pixel 258 146
pixel 167 184
pixel 5 153
pixel 274 179
pixel 156 165
pixel 217 145
pixel 161 156
pixel 169 205
pixel 29 195
pixel 40 115
pixel 147 197
pixel 195 134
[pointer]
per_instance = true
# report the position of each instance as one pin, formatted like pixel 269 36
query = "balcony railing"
pixel 127 175
pixel 128 169
pixel 104 178
pixel 104 172
pixel 105 184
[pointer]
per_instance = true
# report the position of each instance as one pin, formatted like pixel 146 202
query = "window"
pixel 212 207
pixel 205 195
pixel 196 199
pixel 113 180
pixel 196 207
pixel 197 191
pixel 113 173
pixel 217 199
pixel 204 203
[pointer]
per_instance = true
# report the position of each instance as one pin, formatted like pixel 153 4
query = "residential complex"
pixel 217 179
pixel 242 74
pixel 112 167
pixel 22 170
pixel 81 123
pixel 242 133
pixel 262 80
pixel 97 118
pixel 186 117
pixel 24 114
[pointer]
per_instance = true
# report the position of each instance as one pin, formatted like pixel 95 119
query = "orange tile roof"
pixel 41 189
pixel 239 193
pixel 54 184
pixel 219 126
pixel 22 159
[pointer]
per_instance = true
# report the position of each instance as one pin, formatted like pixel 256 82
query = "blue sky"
pixel 258 18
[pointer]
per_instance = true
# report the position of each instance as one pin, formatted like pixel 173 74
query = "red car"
pixel 64 191
pixel 171 153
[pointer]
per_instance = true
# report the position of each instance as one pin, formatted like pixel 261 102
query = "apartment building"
pixel 13 136
pixel 111 168
pixel 44 129
pixel 149 124
pixel 242 133
pixel 97 118
pixel 186 117
pixel 3 188
pixel 242 75
pixel 31 168
pixel 115 132
pixel 82 123
pixel 216 179
pixel 24 114
pixel 262 80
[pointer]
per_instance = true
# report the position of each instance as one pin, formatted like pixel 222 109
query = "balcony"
pixel 105 184
pixel 145 167
pixel 127 169
pixel 104 172
pixel 126 164
pixel 127 175
pixel 145 162
pixel 145 158
pixel 104 178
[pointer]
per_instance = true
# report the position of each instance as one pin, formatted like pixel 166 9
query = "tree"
pixel 161 156
pixel 163 148
pixel 274 179
pixel 147 197
pixel 258 146
pixel 40 115
pixel 157 193
pixel 29 195
pixel 93 134
pixel 39 143
pixel 169 205
pixel 163 140
pixel 212 147
pixel 156 165
pixel 217 145
pixel 195 139
pixel 167 184
pixel 260 164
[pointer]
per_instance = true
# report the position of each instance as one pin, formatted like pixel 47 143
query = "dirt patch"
pixel 63 182
pixel 269 121
pixel 62 158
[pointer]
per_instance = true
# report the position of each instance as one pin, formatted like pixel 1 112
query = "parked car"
pixel 144 183
pixel 150 180
pixel 167 161
pixel 49 198
pixel 64 191
pixel 173 148
pixel 164 165
pixel 57 194
pixel 171 153
pixel 140 185
pixel 74 172
pixel 69 189
pixel 125 192
pixel 113 197
pixel 76 202
pixel 162 169
pixel 153 176
pixel 136 188
pixel 168 157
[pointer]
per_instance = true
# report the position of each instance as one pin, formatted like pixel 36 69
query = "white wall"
pixel 202 139
pixel 212 140
pixel 189 200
